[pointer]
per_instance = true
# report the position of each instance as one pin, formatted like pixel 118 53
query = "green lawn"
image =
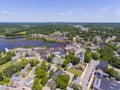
pixel 4 66
pixel 75 71
pixel 6 80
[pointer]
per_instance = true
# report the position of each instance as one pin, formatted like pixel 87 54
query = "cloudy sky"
pixel 59 10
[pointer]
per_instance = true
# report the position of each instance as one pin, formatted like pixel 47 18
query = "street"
pixel 88 73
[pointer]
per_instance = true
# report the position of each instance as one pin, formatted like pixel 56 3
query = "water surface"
pixel 20 42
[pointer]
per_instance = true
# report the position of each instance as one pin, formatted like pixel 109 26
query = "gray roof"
pixel 57 73
pixel 16 79
pixel 101 83
pixel 99 72
pixel 103 64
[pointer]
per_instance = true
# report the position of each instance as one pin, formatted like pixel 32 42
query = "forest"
pixel 13 30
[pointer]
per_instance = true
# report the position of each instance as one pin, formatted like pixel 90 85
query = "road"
pixel 88 73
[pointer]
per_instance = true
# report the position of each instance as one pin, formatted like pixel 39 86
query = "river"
pixel 20 42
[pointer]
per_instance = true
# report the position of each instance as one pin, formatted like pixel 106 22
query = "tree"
pixel 44 66
pixel 119 52
pixel 71 59
pixel 8 71
pixel 75 60
pixel 113 73
pixel 1 76
pixel 87 58
pixel 7 57
pixel 95 56
pixel 77 86
pixel 40 73
pixel 65 63
pixel 62 81
pixel 50 57
pixel 95 42
pixel 26 55
pixel 37 85
pixel 44 80
pixel 51 73
pixel 34 62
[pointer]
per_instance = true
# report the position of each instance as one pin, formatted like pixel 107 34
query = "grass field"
pixel 75 71
pixel 6 80
pixel 4 66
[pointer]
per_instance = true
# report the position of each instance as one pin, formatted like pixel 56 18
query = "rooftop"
pixel 103 64
pixel 101 83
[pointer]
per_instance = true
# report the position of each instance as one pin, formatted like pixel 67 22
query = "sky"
pixel 59 10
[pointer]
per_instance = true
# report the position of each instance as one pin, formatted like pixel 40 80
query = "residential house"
pixel 101 83
pixel 99 72
pixel 29 81
pixel 17 79
pixel 24 71
pixel 103 65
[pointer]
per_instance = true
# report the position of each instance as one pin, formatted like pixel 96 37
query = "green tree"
pixel 50 57
pixel 37 85
pixel 95 56
pixel 1 76
pixel 62 81
pixel 119 52
pixel 34 62
pixel 40 73
pixel 75 60
pixel 8 71
pixel 26 55
pixel 51 73
pixel 44 66
pixel 87 58
pixel 113 73
pixel 77 87
pixel 65 63
pixel 44 80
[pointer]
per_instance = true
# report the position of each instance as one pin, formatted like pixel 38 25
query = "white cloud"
pixel 7 13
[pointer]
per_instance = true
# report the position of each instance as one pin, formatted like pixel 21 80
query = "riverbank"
pixel 45 40
pixel 2 36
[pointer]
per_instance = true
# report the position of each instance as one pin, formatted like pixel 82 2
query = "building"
pixel 69 49
pixel 24 71
pixel 99 72
pixel 103 65
pixel 29 81
pixel 17 79
pixel 101 83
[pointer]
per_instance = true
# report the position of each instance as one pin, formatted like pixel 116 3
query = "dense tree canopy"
pixel 41 75
pixel 107 54
pixel 37 85
pixel 62 81
pixel 88 56
pixel 7 57
pixel 113 73
pixel 95 56
pixel 71 59
pixel 1 76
